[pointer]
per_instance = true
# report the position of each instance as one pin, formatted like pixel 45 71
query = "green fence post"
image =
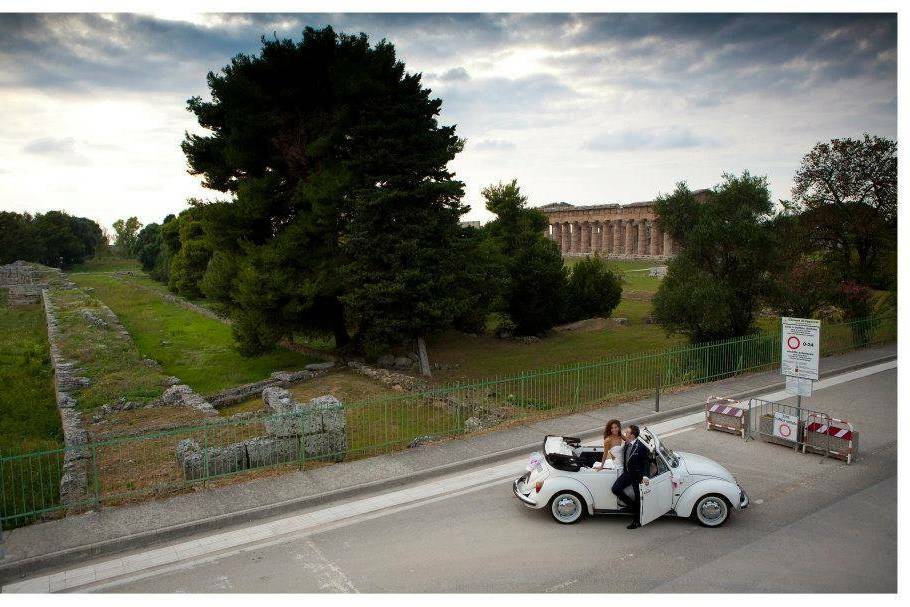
pixel 301 443
pixel 657 394
pixel 205 454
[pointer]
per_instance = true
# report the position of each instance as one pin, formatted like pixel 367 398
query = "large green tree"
pixel 714 285
pixel 126 231
pixel 847 190
pixel 344 216
pixel 190 253
pixel 52 238
pixel 535 292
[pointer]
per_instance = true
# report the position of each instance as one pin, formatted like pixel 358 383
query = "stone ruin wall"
pixel 23 283
pixel 318 428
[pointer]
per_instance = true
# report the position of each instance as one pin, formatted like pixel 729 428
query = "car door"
pixel 600 484
pixel 657 495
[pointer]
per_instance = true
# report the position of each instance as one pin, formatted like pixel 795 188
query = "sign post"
pixel 800 342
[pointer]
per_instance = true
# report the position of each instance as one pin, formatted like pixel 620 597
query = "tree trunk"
pixel 339 328
pixel 422 357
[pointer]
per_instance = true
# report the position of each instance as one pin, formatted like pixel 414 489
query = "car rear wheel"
pixel 567 507
pixel 711 511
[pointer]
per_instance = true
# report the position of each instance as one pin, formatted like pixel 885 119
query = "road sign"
pixel 799 343
pixel 785 426
pixel 799 386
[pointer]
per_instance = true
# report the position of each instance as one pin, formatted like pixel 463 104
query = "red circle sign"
pixel 793 342
pixel 784 430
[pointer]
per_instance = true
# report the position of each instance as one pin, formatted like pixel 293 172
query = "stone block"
pixel 283 425
pixel 267 451
pixel 337 444
pixel 213 461
pixel 318 445
pixel 331 412
pixel 278 400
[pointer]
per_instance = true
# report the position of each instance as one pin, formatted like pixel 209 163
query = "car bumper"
pixel 743 499
pixel 522 492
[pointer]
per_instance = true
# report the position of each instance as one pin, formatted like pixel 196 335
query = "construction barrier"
pixel 727 415
pixel 830 436
pixel 803 429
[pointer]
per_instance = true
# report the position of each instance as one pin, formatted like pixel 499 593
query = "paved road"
pixel 815 525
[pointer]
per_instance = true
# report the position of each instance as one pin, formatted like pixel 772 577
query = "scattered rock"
pixel 386 360
pixel 403 363
pixel 172 381
pixel 657 271
pixel 588 324
pixel 93 319
pixel 320 366
pixel 621 321
pixel 472 424
pixel 528 339
pixel 420 441
pixel 395 381
pixel 182 395
pixel 165 342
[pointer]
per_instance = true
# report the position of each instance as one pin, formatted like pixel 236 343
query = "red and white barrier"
pixel 727 415
pixel 830 436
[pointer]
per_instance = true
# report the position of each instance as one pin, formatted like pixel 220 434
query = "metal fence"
pixel 127 467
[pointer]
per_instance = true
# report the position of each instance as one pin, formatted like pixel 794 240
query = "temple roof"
pixel 565 206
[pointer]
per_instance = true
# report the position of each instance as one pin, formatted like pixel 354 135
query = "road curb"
pixel 25 567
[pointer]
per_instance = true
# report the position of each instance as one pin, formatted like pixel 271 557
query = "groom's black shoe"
pixel 633 526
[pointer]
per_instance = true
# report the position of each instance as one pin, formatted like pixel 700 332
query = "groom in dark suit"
pixel 636 464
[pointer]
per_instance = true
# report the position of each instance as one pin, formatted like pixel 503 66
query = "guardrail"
pixel 124 468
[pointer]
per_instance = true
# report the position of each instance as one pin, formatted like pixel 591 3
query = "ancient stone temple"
pixel 627 231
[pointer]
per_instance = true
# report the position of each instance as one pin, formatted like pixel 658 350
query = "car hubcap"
pixel 566 508
pixel 712 510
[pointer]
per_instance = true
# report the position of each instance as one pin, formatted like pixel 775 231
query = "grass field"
pixel 112 362
pixel 198 350
pixel 106 264
pixel 28 411
pixel 485 356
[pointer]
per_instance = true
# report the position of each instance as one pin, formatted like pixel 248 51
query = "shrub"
pixel 593 290
pixel 499 324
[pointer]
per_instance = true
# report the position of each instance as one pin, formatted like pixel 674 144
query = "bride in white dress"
pixel 613 444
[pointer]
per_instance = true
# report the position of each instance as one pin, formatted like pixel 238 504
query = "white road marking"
pixel 222 554
pixel 377 505
pixel 329 576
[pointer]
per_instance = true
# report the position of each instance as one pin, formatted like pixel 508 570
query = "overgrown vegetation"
pixel 198 350
pixel 28 408
pixel 112 362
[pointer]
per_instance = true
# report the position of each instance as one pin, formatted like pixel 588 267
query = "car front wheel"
pixel 711 511
pixel 567 507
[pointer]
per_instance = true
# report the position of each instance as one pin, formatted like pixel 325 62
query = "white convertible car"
pixel 565 480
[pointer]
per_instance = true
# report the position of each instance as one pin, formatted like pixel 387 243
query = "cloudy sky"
pixel 580 108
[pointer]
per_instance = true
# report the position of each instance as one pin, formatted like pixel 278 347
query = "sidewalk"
pixel 78 538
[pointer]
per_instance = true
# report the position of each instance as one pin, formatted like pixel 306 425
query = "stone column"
pixel 668 245
pixel 657 238
pixel 597 238
pixel 585 238
pixel 616 239
pixel 566 238
pixel 629 249
pixel 576 237
pixel 557 235
pixel 644 227
pixel 607 243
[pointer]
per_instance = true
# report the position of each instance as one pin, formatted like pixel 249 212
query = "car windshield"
pixel 668 454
